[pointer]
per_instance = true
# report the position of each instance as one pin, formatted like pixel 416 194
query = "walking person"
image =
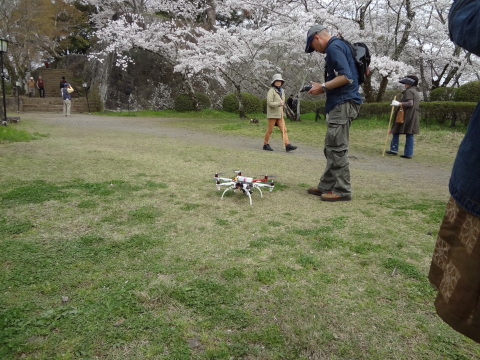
pixel 342 106
pixel 410 104
pixel 62 83
pixel 41 86
pixel 31 87
pixel 275 103
pixel 67 99
pixel 455 267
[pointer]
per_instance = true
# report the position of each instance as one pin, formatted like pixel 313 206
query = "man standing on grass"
pixel 342 106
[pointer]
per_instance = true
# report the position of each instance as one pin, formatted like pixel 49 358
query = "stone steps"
pixel 52 78
pixel 51 104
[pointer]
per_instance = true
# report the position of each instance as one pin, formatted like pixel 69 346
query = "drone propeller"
pixel 266 177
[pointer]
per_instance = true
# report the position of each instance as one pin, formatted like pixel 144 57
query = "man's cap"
pixel 409 80
pixel 311 33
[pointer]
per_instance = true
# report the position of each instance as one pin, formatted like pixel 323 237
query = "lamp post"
pixel 3 49
pixel 86 88
pixel 17 84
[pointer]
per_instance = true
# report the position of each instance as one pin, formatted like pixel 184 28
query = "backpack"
pixel 361 55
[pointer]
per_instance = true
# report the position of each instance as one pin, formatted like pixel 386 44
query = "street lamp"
pixel 18 84
pixel 86 87
pixel 3 49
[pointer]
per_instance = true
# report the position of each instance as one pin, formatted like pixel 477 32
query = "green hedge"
pixel 440 112
pixel 308 106
pixel 184 103
pixel 443 94
pixel 469 92
pixel 251 103
pixel 447 112
pixel 375 109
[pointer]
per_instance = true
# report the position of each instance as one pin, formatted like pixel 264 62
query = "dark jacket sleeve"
pixel 464 24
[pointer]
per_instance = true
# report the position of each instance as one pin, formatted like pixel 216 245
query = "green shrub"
pixel 443 94
pixel 447 112
pixel 469 92
pixel 374 109
pixel 264 106
pixel 251 103
pixel 309 106
pixel 390 94
pixel 440 112
pixel 184 103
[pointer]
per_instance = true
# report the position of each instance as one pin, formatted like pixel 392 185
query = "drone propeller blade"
pixel 218 179
pixel 266 176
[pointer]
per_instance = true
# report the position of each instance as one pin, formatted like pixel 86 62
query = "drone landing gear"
pixel 246 192
pixel 229 188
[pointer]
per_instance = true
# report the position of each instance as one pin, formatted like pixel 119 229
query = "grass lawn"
pixel 116 245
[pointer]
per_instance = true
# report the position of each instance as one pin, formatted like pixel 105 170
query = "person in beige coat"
pixel 275 102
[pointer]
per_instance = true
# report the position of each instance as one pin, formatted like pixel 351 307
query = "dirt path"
pixel 413 171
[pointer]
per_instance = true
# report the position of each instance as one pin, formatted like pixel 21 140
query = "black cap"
pixel 409 80
pixel 311 33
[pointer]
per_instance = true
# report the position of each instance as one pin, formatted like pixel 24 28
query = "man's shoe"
pixel 267 147
pixel 290 147
pixel 406 157
pixel 390 152
pixel 331 196
pixel 314 191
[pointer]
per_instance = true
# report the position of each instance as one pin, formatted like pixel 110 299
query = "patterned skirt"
pixel 455 271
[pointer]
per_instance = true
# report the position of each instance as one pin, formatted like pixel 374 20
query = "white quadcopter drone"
pixel 244 183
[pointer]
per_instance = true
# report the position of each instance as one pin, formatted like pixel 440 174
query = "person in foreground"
pixel 275 103
pixel 342 106
pixel 410 103
pixel 455 267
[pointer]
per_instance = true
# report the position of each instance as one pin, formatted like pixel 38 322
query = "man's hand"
pixel 395 103
pixel 316 88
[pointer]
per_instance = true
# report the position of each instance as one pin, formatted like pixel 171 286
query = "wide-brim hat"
pixel 277 77
pixel 409 80
pixel 310 34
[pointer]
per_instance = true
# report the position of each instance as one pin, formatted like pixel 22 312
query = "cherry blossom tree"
pixel 241 44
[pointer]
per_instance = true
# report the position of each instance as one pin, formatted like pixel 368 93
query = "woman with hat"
pixel 410 103
pixel 275 102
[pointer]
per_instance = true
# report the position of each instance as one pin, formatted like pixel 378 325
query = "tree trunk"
pixel 211 15
pixel 424 81
pixel 241 108
pixel 368 89
pixel 382 88
pixel 191 93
